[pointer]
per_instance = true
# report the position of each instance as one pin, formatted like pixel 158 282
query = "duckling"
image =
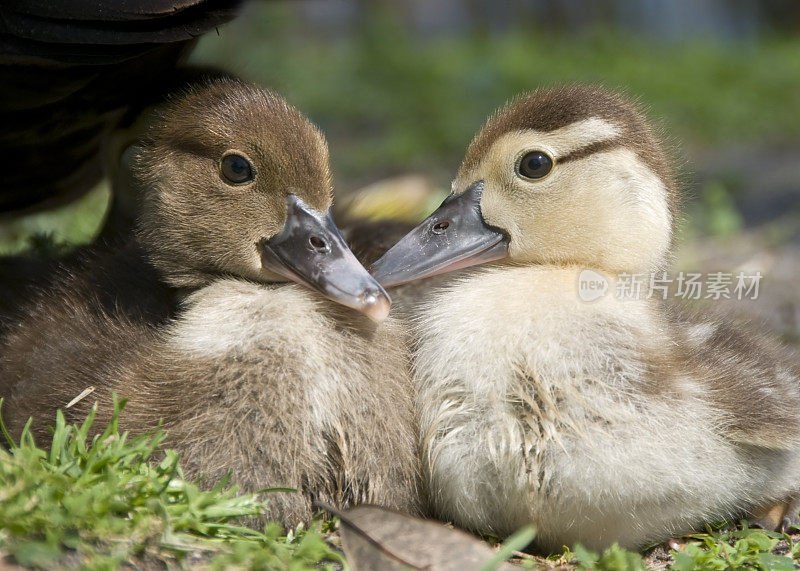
pixel 279 366
pixel 611 421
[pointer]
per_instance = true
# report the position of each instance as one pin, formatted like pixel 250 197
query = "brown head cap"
pixel 549 109
pixel 194 223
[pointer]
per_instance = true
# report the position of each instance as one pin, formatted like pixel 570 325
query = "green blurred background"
pixel 400 88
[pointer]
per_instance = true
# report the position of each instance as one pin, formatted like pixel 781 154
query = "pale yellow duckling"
pixel 610 421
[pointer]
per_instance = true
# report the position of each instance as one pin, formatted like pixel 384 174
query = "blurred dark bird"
pixel 72 71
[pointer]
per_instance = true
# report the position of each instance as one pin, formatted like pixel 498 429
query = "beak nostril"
pixel 440 227
pixel 318 243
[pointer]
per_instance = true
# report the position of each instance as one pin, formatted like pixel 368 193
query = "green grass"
pixel 612 559
pixel 99 502
pixel 96 503
pixel 76 223
pixel 740 549
pixel 392 101
pixel 743 548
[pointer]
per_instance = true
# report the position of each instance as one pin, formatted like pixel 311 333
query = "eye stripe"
pixel 598 147
pixel 578 135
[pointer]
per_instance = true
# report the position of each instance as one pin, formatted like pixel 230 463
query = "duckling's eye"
pixel 535 165
pixel 236 169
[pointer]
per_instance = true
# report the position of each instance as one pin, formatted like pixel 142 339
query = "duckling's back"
pixel 82 319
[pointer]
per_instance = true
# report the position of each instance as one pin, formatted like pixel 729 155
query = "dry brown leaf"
pixel 375 538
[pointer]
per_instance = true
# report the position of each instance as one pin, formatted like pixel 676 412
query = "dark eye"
pixel 236 169
pixel 534 165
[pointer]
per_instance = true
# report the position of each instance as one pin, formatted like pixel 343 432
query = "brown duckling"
pixel 616 420
pixel 282 384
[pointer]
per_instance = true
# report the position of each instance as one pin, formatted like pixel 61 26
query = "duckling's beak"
pixel 311 251
pixel 455 236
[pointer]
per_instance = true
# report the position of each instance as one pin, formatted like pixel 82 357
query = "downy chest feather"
pixel 516 388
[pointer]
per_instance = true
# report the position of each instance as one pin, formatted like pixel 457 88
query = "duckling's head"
pixel 236 182
pixel 566 176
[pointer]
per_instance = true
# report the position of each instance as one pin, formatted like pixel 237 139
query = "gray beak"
pixel 455 236
pixel 311 251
